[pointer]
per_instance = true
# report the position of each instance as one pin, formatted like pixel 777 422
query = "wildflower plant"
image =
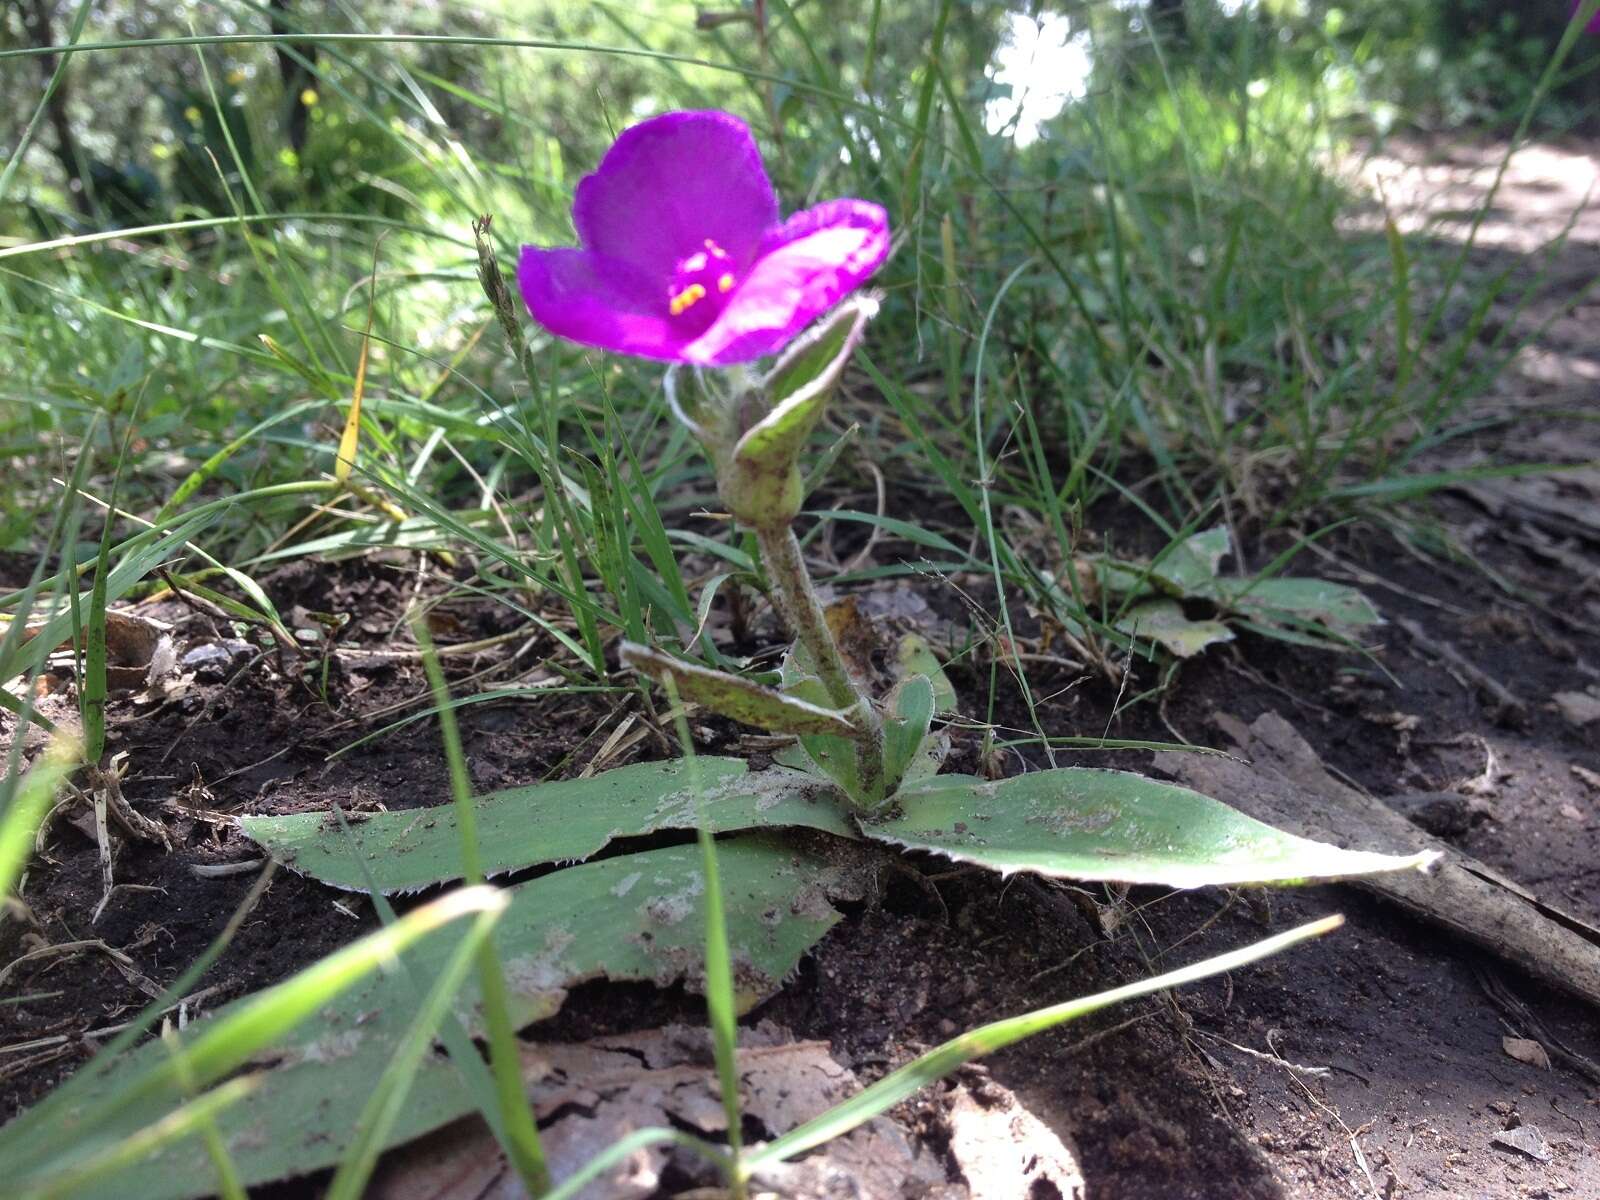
pixel 683 259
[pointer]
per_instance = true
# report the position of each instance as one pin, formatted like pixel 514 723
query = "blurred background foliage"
pixel 131 135
pixel 1128 206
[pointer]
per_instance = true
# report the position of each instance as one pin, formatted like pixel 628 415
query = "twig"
pixel 1274 1058
pixel 223 870
pixel 1507 708
pixel 1520 1013
pixel 123 963
pixel 357 653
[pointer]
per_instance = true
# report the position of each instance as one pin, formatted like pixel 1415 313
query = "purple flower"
pixel 1594 22
pixel 684 258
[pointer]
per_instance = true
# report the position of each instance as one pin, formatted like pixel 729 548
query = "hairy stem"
pixel 780 551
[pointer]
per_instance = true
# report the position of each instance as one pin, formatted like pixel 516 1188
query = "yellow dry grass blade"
pixel 345 461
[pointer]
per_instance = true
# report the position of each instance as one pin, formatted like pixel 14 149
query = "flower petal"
pixel 597 301
pixel 805 267
pixel 668 184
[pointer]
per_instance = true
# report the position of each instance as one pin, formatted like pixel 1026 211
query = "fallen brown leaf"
pixel 1526 1050
pixel 1524 1139
pixel 589 1095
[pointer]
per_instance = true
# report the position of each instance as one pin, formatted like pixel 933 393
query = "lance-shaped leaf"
pixel 913 656
pixel 740 699
pixel 1336 605
pixel 828 755
pixel 635 917
pixel 1082 823
pixel 1192 564
pixel 549 822
pixel 1188 570
pixel 808 369
pixel 1191 570
pixel 906 732
pixel 105 1104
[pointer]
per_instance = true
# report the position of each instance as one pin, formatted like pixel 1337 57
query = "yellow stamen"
pixel 725 283
pixel 695 262
pixel 687 299
pixel 716 250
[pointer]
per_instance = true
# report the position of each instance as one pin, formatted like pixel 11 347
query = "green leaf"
pixel 549 822
pixel 758 476
pixel 1117 578
pixel 1162 621
pixel 635 917
pixel 386 1101
pixel 834 758
pixel 1189 570
pixel 189 1120
pixel 906 730
pixel 1192 564
pixel 104 1104
pixel 740 699
pixel 825 755
pixel 1336 605
pixel 1284 629
pixel 799 385
pixel 913 656
pixel 1082 823
pixel 814 361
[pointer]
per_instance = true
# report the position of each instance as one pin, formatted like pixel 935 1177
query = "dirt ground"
pixel 1371 1063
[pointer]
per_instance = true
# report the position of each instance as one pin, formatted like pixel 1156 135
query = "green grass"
pixel 1157 299
pixel 1156 308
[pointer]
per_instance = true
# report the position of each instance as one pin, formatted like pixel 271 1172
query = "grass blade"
pixel 224 1044
pixel 521 1134
pixel 383 1108
pixel 180 1123
pixel 721 1005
